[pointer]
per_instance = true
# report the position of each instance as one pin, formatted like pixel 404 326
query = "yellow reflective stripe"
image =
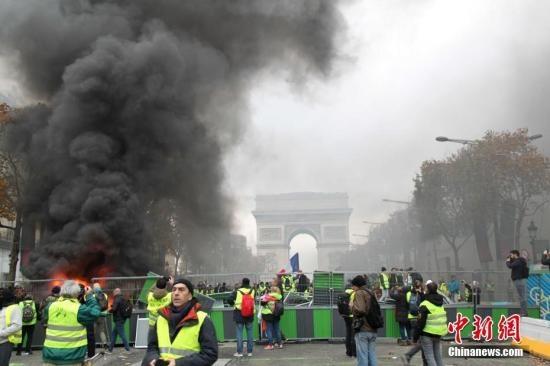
pixel 175 351
pixel 65 339
pixel 66 327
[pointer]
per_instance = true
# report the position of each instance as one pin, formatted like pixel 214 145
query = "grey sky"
pixel 410 70
pixel 421 69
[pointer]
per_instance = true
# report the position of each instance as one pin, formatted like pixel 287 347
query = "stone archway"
pixel 280 217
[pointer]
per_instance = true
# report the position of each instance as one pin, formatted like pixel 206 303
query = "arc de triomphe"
pixel 324 216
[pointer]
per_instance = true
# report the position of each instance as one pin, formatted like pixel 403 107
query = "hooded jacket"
pixel 401 304
pixel 435 299
pixel 207 336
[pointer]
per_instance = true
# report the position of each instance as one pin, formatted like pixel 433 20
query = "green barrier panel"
pixel 322 324
pixel 495 314
pixel 533 313
pixel 147 285
pixel 288 323
pixel 468 329
pixel 392 327
pixel 217 320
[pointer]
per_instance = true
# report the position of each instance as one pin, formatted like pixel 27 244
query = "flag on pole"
pixel 295 263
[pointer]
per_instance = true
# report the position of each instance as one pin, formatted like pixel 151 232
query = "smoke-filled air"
pixel 139 101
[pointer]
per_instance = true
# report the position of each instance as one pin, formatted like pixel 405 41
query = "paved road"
pixel 304 354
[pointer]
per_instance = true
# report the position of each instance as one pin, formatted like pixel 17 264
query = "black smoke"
pixel 141 99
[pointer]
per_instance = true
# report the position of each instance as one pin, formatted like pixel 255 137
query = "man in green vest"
pixel 183 335
pixel 10 324
pixel 384 279
pixel 66 320
pixel 158 298
pixel 431 325
pixel 29 315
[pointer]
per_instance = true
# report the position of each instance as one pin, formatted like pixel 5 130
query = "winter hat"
pixel 358 281
pixel 186 282
pixel 246 282
pixel 56 290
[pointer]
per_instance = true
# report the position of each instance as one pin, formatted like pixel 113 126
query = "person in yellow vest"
pixel 10 324
pixel 183 334
pixel 348 320
pixel 384 279
pixel 29 316
pixel 243 321
pixel 431 325
pixel 271 314
pixel 66 319
pixel 158 298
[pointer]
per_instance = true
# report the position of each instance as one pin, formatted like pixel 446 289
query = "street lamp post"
pixel 532 230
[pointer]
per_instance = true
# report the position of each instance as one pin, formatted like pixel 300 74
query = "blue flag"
pixel 295 263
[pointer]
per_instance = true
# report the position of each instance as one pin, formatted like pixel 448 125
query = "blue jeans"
pixel 432 350
pixel 405 331
pixel 249 337
pixel 522 293
pixel 119 329
pixel 273 332
pixel 365 343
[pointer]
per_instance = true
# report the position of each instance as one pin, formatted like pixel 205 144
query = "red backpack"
pixel 247 305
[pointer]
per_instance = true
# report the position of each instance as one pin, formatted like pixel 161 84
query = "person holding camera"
pixel 519 275
pixel 545 260
pixel 183 334
pixel 365 334
pixel 66 342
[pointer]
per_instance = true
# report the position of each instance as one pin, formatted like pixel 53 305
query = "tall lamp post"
pixel 532 230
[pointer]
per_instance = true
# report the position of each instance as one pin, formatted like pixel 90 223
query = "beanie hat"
pixel 56 290
pixel 358 281
pixel 186 282
pixel 161 283
pixel 246 282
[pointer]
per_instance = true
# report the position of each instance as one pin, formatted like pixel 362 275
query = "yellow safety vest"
pixel 436 322
pixel 409 315
pixel 186 342
pixel 385 281
pixel 154 305
pixel 239 299
pixel 64 330
pixel 266 310
pixel 443 288
pixel 22 306
pixel 16 337
pixel 351 294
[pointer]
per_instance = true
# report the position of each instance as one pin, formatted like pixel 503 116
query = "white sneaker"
pixel 249 354
pixel 237 354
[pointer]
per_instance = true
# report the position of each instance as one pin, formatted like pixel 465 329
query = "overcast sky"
pixel 416 70
pixel 408 72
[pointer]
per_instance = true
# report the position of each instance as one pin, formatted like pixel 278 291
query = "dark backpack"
pixel 374 316
pixel 125 309
pixel 278 308
pixel 343 304
pixel 413 304
pixel 247 305
pixel 102 300
pixel 28 312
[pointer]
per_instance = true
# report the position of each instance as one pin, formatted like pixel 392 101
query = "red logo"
pixel 483 329
pixel 508 327
pixel 457 326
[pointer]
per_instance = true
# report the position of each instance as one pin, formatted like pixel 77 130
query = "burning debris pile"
pixel 141 99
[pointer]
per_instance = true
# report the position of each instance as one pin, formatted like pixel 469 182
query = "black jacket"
pixel 545 260
pixel 401 305
pixel 519 268
pixel 208 354
pixel 116 309
pixel 435 299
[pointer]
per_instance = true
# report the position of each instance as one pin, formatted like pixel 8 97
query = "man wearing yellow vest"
pixel 158 298
pixel 384 279
pixel 243 300
pixel 29 315
pixel 66 320
pixel 431 325
pixel 10 324
pixel 183 335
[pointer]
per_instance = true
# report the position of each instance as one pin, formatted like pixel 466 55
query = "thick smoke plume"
pixel 141 99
